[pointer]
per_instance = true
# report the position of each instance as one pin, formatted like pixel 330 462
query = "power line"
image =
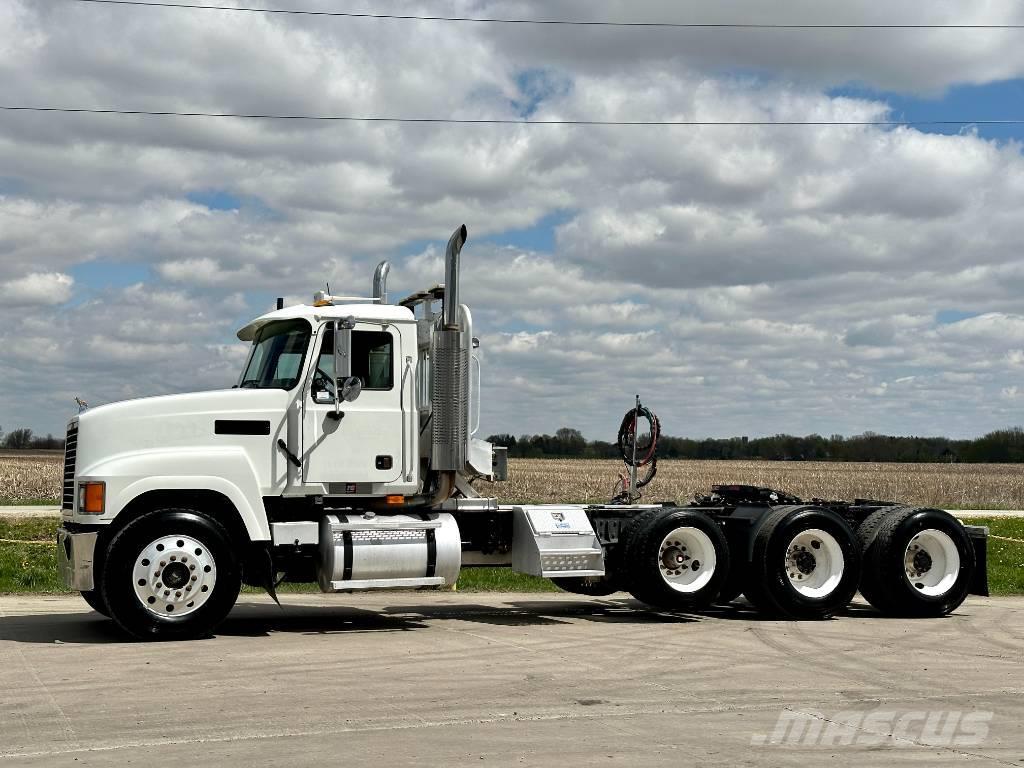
pixel 510 121
pixel 542 22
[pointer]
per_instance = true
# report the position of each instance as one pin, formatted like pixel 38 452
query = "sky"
pixel 744 280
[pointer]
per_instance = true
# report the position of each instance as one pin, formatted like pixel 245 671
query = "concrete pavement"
pixel 427 679
pixel 30 511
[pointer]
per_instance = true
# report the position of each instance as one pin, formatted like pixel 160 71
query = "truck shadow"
pixel 250 619
pixel 262 619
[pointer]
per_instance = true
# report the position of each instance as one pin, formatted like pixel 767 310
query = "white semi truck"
pixel 345 456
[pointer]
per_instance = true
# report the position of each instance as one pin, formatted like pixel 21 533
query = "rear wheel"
pixel 677 559
pixel 805 563
pixel 920 562
pixel 171 574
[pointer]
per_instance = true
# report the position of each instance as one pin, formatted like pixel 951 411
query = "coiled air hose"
pixel 637 454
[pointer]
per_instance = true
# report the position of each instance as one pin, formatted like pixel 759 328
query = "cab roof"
pixel 314 315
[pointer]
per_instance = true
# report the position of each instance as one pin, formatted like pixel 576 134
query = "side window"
pixel 372 358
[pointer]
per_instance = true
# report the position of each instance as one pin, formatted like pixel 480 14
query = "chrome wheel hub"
pixel 174 575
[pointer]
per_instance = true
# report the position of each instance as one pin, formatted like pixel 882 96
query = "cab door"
pixel 365 444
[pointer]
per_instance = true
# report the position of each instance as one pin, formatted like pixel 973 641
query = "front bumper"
pixel 75 553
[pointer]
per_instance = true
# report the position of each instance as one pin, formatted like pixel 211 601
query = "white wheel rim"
pixel 174 576
pixel 814 563
pixel 686 559
pixel 932 562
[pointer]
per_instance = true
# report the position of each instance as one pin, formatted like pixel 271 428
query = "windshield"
pixel 277 355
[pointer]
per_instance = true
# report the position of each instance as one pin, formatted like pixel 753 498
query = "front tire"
pixel 172 574
pixel 95 600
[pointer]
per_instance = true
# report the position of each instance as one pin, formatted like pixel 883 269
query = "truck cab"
pixel 347 403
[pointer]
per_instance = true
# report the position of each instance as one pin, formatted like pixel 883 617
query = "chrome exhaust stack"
pixel 451 277
pixel 380 282
pixel 450 381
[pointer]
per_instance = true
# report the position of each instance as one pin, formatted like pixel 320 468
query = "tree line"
pixel 1000 446
pixel 22 439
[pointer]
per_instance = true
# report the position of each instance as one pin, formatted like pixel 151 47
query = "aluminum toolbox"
pixel 555 540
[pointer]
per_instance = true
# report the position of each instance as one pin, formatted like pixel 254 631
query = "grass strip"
pixel 31 568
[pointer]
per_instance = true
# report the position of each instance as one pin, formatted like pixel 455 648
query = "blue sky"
pixel 991 101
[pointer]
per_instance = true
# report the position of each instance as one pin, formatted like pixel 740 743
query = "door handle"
pixel 291 456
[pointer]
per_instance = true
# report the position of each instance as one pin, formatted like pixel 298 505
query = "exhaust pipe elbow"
pixel 451 277
pixel 380 282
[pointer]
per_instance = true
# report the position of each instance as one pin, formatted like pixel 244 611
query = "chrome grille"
pixel 70 453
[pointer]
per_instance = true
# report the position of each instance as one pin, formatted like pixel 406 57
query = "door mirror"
pixel 343 364
pixel 350 388
pixel 343 347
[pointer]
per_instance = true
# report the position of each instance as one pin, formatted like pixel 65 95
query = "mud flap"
pixel 978 535
pixel 262 564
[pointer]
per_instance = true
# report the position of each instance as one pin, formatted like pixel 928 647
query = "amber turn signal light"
pixel 91 498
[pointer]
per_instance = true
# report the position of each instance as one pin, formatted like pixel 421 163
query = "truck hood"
pixel 175 421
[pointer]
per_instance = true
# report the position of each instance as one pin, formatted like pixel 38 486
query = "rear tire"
pixel 805 564
pixel 869 526
pixel 733 588
pixel 172 574
pixel 919 562
pixel 677 559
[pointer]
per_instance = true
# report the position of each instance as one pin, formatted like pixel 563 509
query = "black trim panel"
pixel 241 427
pixel 346 574
pixel 431 548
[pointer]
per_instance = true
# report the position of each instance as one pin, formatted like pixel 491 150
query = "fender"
pixel 226 470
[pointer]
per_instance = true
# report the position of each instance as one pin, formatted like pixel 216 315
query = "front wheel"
pixel 172 574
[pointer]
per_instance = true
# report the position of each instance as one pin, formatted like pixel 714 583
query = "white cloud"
pixel 37 288
pixel 743 279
